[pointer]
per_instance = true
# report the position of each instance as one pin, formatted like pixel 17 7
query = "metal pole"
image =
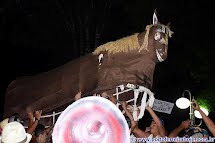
pixel 192 118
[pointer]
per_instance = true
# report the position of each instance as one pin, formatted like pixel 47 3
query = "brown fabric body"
pixel 54 90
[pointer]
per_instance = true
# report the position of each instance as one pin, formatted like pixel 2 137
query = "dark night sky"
pixel 41 35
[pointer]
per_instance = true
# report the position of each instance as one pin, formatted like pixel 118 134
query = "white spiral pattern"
pixel 91 120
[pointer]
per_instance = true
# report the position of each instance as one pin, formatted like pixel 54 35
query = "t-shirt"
pixel 132 138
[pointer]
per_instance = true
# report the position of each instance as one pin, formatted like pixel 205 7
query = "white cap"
pixel 15 132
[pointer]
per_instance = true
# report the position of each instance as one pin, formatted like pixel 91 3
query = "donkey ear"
pixel 155 19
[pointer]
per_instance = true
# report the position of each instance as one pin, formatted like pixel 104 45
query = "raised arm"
pixel 184 125
pixel 157 120
pixel 134 127
pixel 124 106
pixel 30 117
pixel 133 123
pixel 209 123
pixel 33 126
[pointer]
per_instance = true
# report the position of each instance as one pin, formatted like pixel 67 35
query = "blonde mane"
pixel 127 44
pixel 122 45
pixel 146 39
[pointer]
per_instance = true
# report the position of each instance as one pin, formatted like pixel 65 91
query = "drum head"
pixel 91 120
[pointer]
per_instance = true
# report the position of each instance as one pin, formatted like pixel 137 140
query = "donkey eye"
pixel 157 36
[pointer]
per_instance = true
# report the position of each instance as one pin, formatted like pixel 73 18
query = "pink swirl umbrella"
pixel 91 120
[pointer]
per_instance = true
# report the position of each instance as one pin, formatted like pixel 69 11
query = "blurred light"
pixel 182 103
pixel 198 115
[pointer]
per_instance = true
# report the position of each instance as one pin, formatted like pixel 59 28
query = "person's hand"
pixel 148 107
pixel 104 94
pixel 113 99
pixel 78 96
pixel 195 105
pixel 124 105
pixel 38 114
pixel 30 115
pixel 198 128
pixel 185 124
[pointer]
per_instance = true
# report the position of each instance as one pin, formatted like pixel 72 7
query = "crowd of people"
pixel 157 130
pixel 12 129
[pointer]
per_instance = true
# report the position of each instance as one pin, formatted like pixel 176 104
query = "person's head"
pixel 15 118
pixel 205 133
pixel 40 133
pixel 195 132
pixel 154 127
pixel 14 132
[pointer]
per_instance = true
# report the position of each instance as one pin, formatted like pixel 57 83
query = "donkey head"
pixel 156 38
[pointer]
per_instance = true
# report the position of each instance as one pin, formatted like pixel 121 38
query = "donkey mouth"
pixel 160 56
